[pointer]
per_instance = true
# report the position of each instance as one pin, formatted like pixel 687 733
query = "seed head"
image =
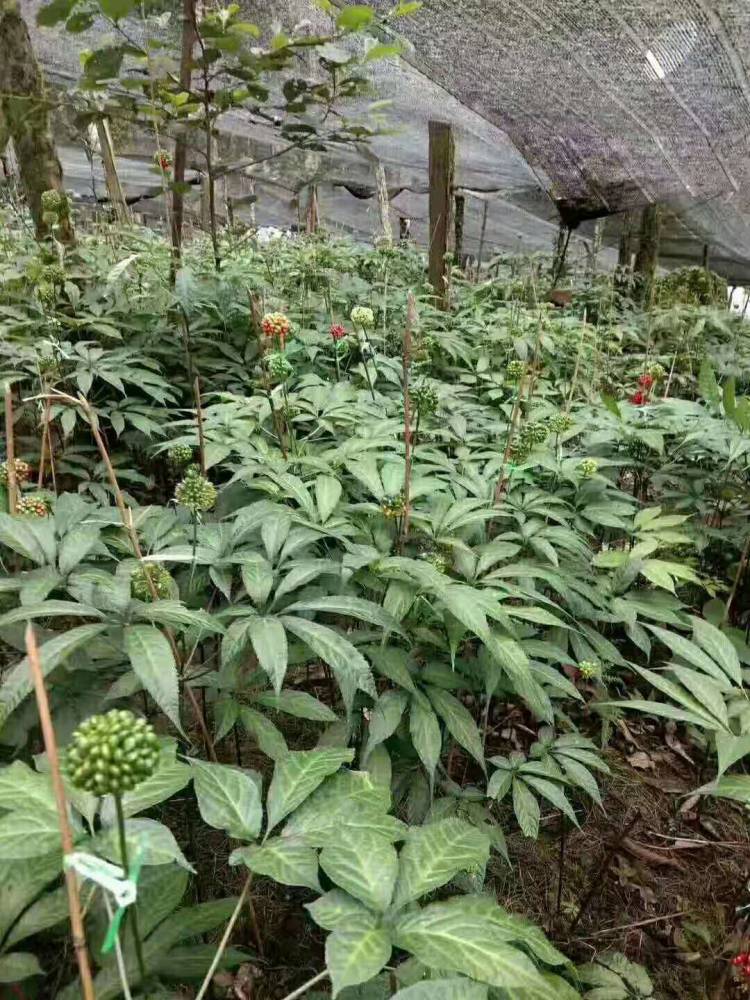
pixel 112 753
pixel 159 577
pixel 196 493
pixel 363 317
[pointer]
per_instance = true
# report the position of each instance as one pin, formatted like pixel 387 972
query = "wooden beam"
pixel 384 207
pixel 441 171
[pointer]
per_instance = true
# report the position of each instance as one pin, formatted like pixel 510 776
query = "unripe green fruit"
pixel 425 397
pixel 393 506
pixel 110 754
pixel 560 423
pixel 588 467
pixel 180 455
pixel 159 577
pixel 196 493
pixel 515 369
pixel 588 669
pixel 279 366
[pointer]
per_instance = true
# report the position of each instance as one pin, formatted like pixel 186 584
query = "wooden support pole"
pixel 312 219
pixel 386 232
pixel 111 177
pixel 706 249
pixel 482 234
pixel 441 171
pixel 627 237
pixel 460 203
pixel 647 258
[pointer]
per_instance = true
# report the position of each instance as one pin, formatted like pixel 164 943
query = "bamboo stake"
pixel 66 836
pixel 199 419
pixel 10 450
pixel 411 316
pixel 205 985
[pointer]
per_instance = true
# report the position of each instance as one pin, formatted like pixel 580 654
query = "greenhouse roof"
pixel 588 106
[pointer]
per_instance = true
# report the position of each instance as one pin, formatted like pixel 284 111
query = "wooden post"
pixel 625 250
pixel 111 177
pixel 647 257
pixel 384 206
pixel 482 235
pixel 312 216
pixel 459 227
pixel 180 146
pixel 705 256
pixel 441 170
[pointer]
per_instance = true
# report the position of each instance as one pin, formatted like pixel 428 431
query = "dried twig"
pixel 638 923
pixel 307 986
pixel 596 882
pixel 66 836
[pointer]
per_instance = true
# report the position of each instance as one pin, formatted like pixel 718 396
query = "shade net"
pixel 586 107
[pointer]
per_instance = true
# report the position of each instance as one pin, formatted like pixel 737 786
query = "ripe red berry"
pixel 646 381
pixel 337 331
pixel 639 398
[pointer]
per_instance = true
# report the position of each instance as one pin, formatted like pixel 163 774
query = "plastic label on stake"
pixel 111 878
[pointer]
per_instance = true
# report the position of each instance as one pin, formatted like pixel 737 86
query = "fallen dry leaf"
pixel 645 854
pixel 641 760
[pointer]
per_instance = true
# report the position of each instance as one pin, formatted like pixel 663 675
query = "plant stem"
pixel 306 986
pixel 199 420
pixel 131 912
pixel 225 938
pixel 66 835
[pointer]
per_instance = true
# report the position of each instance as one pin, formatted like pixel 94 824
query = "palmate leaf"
pixel 355 955
pixel 228 799
pixel 459 722
pixel 297 775
pixel 434 854
pixel 19 965
pixel 348 665
pixel 22 881
pixel 153 664
pixel 444 989
pixel 349 802
pixel 364 865
pixel 47 911
pixel 350 607
pixel 269 642
pixel 336 908
pixel 526 808
pixel 424 729
pixel 281 859
pixel 269 738
pixel 385 716
pixel 450 937
pixel 297 703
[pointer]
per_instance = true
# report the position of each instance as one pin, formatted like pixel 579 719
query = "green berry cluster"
pixel 34 506
pixel 279 366
pixel 23 471
pixel 560 423
pixel 588 467
pixel 393 506
pixel 54 274
pixel 657 372
pixel 49 367
pixel 195 492
pixel 180 455
pixel 56 203
pixel 112 753
pixel 437 559
pixel 425 397
pixel 530 435
pixel 589 669
pixel 515 369
pixel 363 316
pixel 158 575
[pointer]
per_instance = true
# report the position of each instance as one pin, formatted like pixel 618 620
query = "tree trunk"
pixel 25 108
pixel 458 228
pixel 647 259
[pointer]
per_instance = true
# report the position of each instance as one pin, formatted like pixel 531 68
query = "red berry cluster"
pixel 337 331
pixel 276 325
pixel 742 962
pixel 641 397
